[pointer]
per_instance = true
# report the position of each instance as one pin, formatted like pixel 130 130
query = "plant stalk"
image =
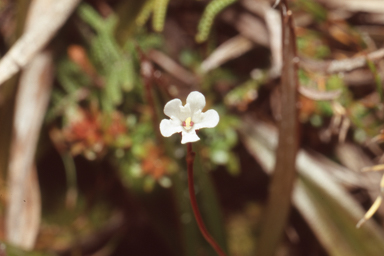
pixel 282 184
pixel 192 196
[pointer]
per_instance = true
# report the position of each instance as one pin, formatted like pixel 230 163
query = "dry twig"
pixel 173 68
pixel 233 48
pixel 24 203
pixel 345 65
pixel 34 40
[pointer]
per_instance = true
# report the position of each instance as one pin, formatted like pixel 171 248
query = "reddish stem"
pixel 199 219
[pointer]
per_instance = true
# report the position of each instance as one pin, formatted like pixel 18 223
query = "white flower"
pixel 189 118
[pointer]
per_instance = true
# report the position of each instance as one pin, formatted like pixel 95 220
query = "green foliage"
pixel 311 44
pixel 325 108
pixel 73 81
pixel 336 82
pixel 116 67
pixel 316 120
pixel 243 94
pixel 115 64
pixel 159 12
pixel 71 76
pixel 313 8
pixel 303 77
pixel 145 41
pixel 366 119
pixel 190 59
pixel 145 13
pixel 210 13
pixel 221 141
pixel 379 85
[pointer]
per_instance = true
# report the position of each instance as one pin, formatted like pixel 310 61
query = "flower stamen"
pixel 187 124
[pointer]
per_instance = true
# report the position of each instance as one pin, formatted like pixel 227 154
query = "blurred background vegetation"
pixel 85 171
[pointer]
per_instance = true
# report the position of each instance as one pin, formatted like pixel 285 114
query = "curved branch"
pixel 35 38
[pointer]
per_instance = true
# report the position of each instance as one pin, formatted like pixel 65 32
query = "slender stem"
pixel 191 188
pixel 70 171
pixel 147 71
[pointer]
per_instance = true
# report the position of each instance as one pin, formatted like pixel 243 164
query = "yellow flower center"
pixel 187 124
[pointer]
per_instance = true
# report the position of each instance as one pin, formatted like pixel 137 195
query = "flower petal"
pixel 175 109
pixel 189 136
pixel 170 126
pixel 172 108
pixel 185 112
pixel 196 101
pixel 208 119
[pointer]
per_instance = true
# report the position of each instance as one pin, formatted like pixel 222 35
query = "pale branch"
pixel 35 38
pixel 344 65
pixel 172 67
